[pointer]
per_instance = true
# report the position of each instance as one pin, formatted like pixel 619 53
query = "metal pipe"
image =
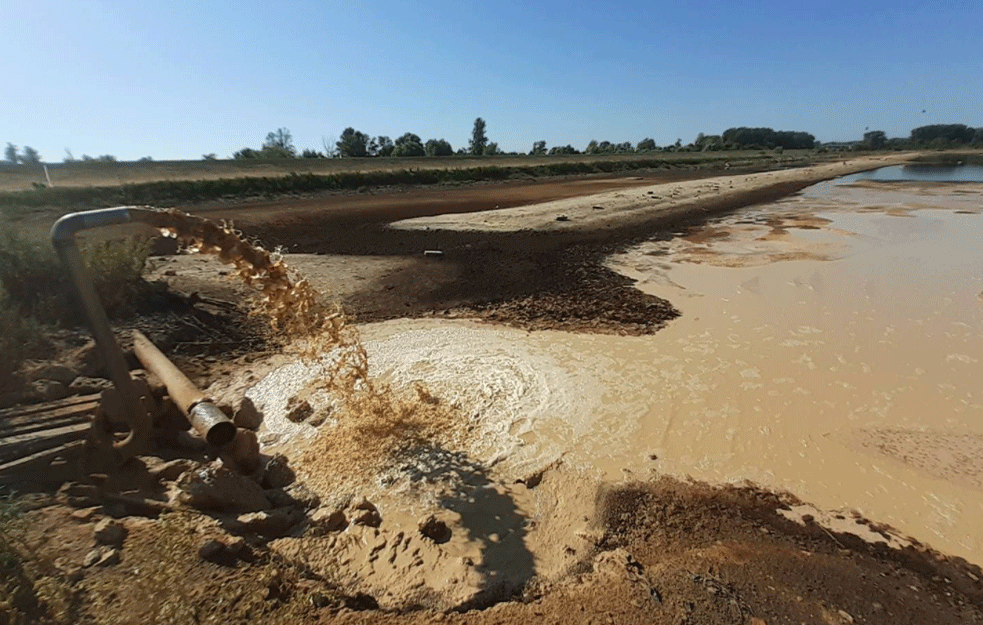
pixel 203 414
pixel 63 239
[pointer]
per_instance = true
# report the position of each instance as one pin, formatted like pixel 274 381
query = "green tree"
pixel 538 147
pixel 352 144
pixel 438 147
pixel 409 144
pixel 875 139
pixel 563 149
pixel 30 156
pixel 384 146
pixel 10 154
pixel 244 153
pixel 491 149
pixel 592 147
pixel 479 140
pixel 311 154
pixel 646 145
pixel 279 144
pixel 211 156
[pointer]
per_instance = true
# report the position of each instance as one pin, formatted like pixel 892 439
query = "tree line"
pixel 356 144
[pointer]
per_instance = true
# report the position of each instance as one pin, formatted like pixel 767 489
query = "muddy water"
pixel 830 345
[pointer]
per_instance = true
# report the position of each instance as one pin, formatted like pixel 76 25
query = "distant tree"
pixel 279 144
pixel 311 154
pixel 438 147
pixel 604 147
pixel 978 137
pixel 86 158
pixel 592 147
pixel 352 144
pixel 106 158
pixel 384 146
pixel 954 133
pixel 212 156
pixel 624 148
pixel 646 145
pixel 678 144
pixel 244 153
pixel 563 149
pixel 69 157
pixel 875 139
pixel 30 156
pixel 479 140
pixel 409 144
pixel 760 138
pixel 538 147
pixel 146 159
pixel 491 149
pixel 10 154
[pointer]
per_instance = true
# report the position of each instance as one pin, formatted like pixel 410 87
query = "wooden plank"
pixel 36 467
pixel 42 424
pixel 23 446
pixel 62 404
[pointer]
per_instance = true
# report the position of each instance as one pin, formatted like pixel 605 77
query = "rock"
pixel 110 532
pixel 270 524
pixel 84 514
pixel 171 471
pixel 847 618
pixel 54 373
pixel 328 520
pixel 600 208
pixel 369 514
pixel 243 452
pixel 216 552
pixel 278 473
pixel 101 556
pixel 279 497
pixel 221 490
pixel 109 558
pixel 49 390
pixel 241 549
pixel 303 496
pixel 562 218
pixel 300 412
pixel 435 529
pixel 91 558
pixel 89 386
pixel 247 415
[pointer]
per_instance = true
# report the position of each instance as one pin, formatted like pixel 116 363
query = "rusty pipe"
pixel 63 239
pixel 214 426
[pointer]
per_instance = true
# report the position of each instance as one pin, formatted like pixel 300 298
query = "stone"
pixel 218 489
pixel 279 497
pixel 303 496
pixel 243 452
pixel 247 415
pixel 328 520
pixel 110 532
pixel 278 473
pixel 435 529
pixel 49 390
pixel 89 386
pixel 54 373
pixel 368 515
pixel 216 552
pixel 91 558
pixel 84 514
pixel 270 524
pixel 110 558
pixel 171 471
pixel 240 548
pixel 846 616
pixel 300 412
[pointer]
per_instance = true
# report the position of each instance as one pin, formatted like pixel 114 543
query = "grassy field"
pixel 171 183
pixel 100 174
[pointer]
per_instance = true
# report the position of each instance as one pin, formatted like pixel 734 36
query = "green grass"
pixel 175 192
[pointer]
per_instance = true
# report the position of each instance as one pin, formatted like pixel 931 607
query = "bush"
pixel 35 284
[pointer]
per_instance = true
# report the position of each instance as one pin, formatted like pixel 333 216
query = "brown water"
pixel 830 345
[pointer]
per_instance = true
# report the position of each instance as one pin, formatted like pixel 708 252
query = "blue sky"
pixel 177 79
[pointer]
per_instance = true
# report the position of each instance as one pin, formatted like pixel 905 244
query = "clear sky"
pixel 174 79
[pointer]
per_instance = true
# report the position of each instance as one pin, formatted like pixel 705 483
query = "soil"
pixel 662 551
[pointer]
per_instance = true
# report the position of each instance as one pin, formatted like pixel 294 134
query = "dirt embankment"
pixel 528 255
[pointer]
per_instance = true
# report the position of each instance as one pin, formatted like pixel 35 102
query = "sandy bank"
pixel 645 204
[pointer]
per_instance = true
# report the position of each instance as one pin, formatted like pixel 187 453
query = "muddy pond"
pixel 829 345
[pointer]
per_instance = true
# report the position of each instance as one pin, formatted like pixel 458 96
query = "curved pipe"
pixel 63 238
